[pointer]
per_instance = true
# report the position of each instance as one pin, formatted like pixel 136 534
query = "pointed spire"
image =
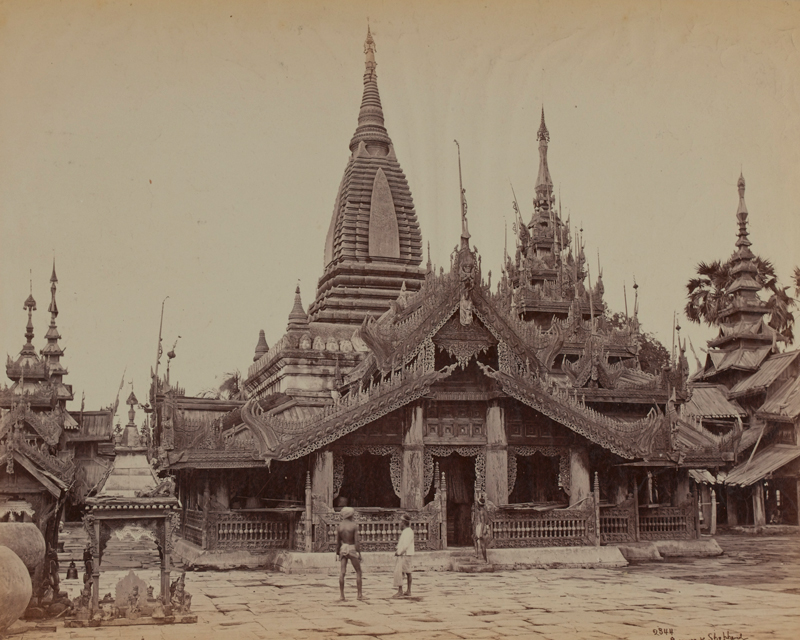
pixel 29 306
pixel 52 351
pixel 429 265
pixel 464 227
pixel 370 129
pixel 298 320
pixel 544 183
pixel 261 347
pixel 741 215
pixel 53 308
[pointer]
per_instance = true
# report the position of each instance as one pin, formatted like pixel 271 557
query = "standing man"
pixel 348 546
pixel 405 556
pixel 480 528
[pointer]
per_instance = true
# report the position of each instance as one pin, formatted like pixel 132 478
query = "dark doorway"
pixel 537 480
pixel 460 478
pixel 367 482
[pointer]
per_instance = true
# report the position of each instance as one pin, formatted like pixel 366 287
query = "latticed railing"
pixel 618 523
pixel 667 523
pixel 192 526
pixel 251 529
pixel 513 527
pixel 379 529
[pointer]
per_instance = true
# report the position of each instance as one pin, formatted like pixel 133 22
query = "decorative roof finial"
pixel 369 51
pixel 464 227
pixel 543 133
pixel 370 127
pixel 298 319
pixel 52 351
pixel 261 347
pixel 741 215
pixel 544 183
pixel 429 266
pixel 53 309
pixel 30 307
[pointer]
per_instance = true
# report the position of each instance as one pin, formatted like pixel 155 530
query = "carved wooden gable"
pixel 463 342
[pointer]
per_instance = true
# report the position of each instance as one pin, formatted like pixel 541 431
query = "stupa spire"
pixel 52 351
pixel 544 183
pixel 261 347
pixel 298 319
pixel 30 307
pixel 370 129
pixel 741 215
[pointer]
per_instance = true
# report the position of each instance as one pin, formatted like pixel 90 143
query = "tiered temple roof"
pixel 546 278
pixel 745 338
pixel 374 243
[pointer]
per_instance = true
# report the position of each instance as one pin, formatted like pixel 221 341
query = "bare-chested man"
pixel 348 547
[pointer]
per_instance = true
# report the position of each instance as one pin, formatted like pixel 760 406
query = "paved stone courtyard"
pixel 753 591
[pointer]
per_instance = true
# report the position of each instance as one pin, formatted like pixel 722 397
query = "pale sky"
pixel 193 150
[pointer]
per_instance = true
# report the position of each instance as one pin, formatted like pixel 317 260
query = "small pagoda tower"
pixel 38 379
pixel 547 277
pixel 745 338
pixel 374 242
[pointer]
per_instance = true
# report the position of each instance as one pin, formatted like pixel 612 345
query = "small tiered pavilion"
pixel 747 370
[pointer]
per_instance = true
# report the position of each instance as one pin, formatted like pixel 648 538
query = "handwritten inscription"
pixel 712 635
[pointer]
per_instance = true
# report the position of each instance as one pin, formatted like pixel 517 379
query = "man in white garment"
pixel 405 555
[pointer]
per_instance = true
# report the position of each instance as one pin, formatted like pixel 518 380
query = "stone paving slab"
pixel 691 600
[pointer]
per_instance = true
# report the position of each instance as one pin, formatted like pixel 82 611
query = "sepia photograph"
pixel 437 320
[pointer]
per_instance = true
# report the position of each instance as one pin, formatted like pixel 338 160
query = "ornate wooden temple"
pixel 50 458
pixel 419 388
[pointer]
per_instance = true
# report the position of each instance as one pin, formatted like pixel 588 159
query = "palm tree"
pixel 796 277
pixel 231 387
pixel 709 295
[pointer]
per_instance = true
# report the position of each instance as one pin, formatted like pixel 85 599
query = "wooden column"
pixel 496 456
pixel 412 482
pixel 596 500
pixel 732 504
pixel 165 565
pixel 759 516
pixel 96 569
pixel 682 489
pixel 705 503
pixel 580 481
pixel 712 527
pixel 636 502
pixel 309 516
pixel 443 489
pixel 798 502
pixel 322 477
pixel 206 509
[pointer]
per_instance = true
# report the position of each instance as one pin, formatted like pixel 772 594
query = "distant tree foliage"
pixel 231 387
pixel 708 295
pixel 653 355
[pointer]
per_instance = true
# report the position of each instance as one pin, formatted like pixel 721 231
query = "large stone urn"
pixel 24 539
pixel 15 588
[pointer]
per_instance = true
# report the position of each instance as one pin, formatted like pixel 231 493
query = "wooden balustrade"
pixel 379 529
pixel 192 526
pixel 618 523
pixel 247 529
pixel 514 527
pixel 667 523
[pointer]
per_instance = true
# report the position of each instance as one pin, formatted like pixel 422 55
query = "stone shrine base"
pixel 128 622
pixel 295 562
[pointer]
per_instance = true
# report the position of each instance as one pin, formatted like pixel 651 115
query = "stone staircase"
pixel 118 554
pixel 464 561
